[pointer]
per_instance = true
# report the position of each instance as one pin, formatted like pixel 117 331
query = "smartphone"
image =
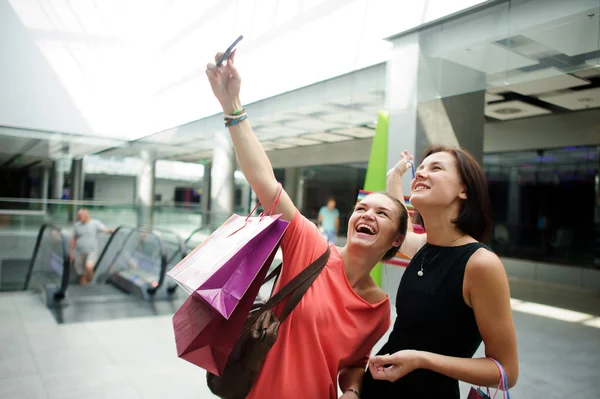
pixel 412 168
pixel 228 51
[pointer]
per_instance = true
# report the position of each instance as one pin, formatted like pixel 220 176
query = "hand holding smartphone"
pixel 228 52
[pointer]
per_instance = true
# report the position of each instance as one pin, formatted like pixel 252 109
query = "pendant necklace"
pixel 420 272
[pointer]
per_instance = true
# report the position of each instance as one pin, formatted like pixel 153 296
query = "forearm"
pixel 478 371
pixel 251 156
pixel 394 188
pixel 351 378
pixel 72 247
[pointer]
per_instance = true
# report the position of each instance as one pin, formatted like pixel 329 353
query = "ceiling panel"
pixel 194 157
pixel 308 125
pixel 13 145
pixel 276 130
pixel 489 97
pixel 197 144
pixel 314 108
pixel 267 136
pixel 497 90
pixel 327 137
pixel 349 117
pixel 374 97
pixel 572 36
pixel 513 110
pixel 595 63
pixel 356 132
pixel 489 58
pixel 575 99
pixel 120 152
pixel 299 141
pixel 277 146
pixel 541 81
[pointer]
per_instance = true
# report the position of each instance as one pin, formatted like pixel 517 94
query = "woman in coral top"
pixel 344 313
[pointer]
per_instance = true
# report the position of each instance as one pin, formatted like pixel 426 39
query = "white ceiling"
pixel 489 58
pixel 534 65
pixel 539 81
pixel 513 110
pixel 572 35
pixel 575 100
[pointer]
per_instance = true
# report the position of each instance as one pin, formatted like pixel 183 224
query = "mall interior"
pixel 106 106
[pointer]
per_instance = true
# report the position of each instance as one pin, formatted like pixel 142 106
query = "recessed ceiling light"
pixel 508 111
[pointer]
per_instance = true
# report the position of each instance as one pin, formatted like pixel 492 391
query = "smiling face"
pixel 375 222
pixel 437 182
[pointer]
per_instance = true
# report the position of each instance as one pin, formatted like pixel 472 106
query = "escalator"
pixel 49 268
pixel 129 275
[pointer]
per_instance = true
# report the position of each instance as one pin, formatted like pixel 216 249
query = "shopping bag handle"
pixel 503 380
pixel 271 209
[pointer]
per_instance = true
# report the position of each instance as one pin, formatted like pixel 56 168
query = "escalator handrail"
pixel 163 256
pixel 114 259
pixel 182 249
pixel 180 243
pixel 65 254
pixel 184 244
pixel 112 236
pixel 163 267
pixel 194 232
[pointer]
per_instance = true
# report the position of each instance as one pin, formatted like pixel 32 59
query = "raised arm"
pixel 225 82
pixel 413 241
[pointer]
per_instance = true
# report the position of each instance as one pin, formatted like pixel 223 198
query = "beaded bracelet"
pixel 354 391
pixel 233 117
pixel 232 122
pixel 237 114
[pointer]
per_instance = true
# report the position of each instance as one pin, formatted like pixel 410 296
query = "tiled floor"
pixel 135 358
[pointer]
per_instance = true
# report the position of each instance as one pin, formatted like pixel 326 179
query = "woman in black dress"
pixel 453 294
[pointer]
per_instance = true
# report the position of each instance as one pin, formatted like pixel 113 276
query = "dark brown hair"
pixel 402 224
pixel 475 214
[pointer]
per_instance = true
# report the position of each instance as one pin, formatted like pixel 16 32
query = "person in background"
pixel 84 245
pixel 329 221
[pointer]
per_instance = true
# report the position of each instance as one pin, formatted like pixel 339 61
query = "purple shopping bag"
pixel 221 269
pixel 203 336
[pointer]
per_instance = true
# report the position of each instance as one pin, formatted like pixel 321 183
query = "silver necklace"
pixel 420 273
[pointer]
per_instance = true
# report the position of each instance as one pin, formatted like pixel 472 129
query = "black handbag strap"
pixel 296 288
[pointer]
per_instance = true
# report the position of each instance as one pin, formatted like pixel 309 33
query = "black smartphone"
pixel 228 52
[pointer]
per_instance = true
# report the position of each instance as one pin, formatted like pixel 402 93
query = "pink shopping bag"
pixel 221 269
pixel 203 336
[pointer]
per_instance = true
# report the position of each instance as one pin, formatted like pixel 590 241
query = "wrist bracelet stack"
pixel 235 117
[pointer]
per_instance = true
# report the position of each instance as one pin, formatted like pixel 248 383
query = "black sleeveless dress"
pixel 432 316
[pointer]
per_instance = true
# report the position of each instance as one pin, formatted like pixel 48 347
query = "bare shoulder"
pixel 484 276
pixel 484 262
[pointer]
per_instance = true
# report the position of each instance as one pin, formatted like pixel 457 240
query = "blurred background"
pixel 105 105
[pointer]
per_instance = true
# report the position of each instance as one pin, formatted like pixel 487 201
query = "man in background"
pixel 84 245
pixel 329 221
